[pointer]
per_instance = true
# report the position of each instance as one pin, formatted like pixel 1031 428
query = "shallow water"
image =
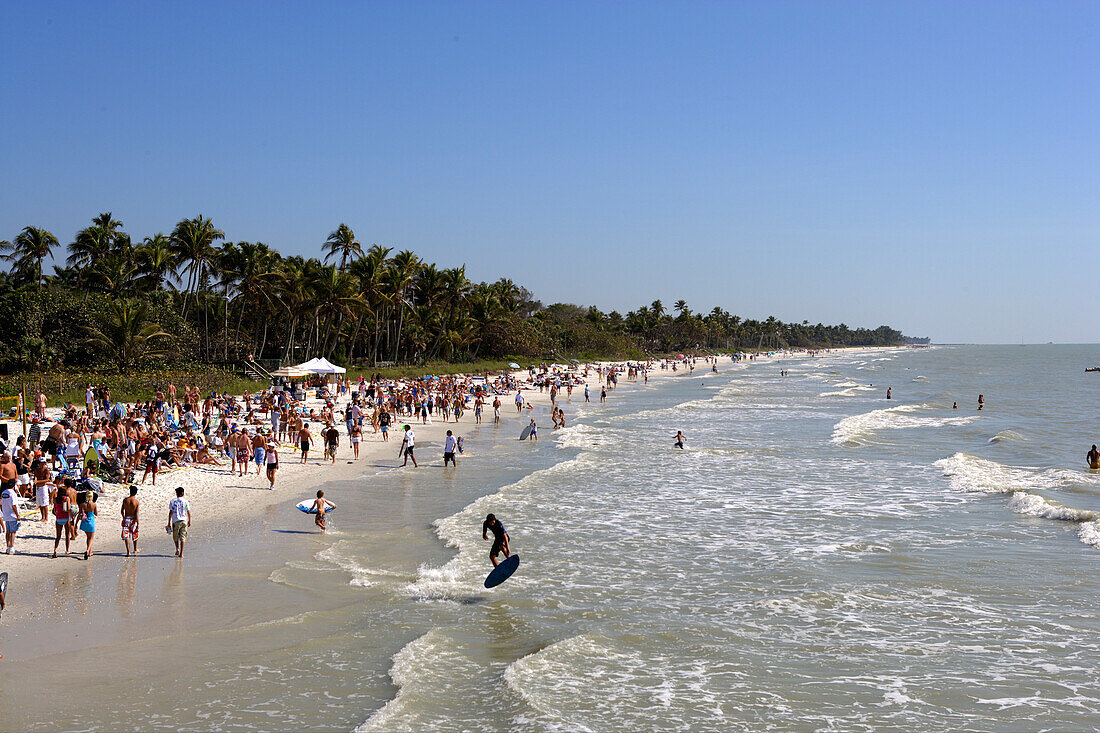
pixel 818 558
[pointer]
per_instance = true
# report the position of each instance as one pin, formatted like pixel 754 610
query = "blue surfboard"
pixel 526 433
pixel 502 572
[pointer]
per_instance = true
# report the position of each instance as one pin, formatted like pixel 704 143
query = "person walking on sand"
pixel 179 520
pixel 356 435
pixel 272 457
pixel 62 508
pixel 496 410
pixel 679 440
pixel 408 442
pixel 332 442
pixel 259 443
pixel 9 517
pixel 449 447
pixel 305 440
pixel 500 538
pixel 519 402
pixel 384 425
pixel 129 511
pixel 320 506
pixel 86 500
pixel 1093 458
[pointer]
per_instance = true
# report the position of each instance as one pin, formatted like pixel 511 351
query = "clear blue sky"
pixel 933 166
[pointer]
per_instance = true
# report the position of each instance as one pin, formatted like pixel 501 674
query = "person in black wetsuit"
pixel 500 538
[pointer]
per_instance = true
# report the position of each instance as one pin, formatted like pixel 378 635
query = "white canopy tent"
pixel 321 365
pixel 290 372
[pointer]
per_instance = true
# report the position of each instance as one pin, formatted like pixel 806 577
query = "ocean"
pixel 817 558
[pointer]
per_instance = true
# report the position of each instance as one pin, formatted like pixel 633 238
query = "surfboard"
pixel 502 572
pixel 91 460
pixel 307 507
pixel 526 433
pixel 3 584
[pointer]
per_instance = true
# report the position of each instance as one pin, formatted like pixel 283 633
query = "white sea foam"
pixel 422 665
pixel 343 557
pixel 966 472
pixel 860 429
pixel 848 392
pixel 1006 436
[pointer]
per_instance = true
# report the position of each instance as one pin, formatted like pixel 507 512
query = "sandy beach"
pixel 215 493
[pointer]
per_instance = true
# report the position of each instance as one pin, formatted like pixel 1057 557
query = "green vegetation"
pixel 190 297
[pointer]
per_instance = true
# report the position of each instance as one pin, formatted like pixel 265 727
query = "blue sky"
pixel 928 165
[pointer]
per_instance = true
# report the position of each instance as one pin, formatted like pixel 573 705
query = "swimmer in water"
pixel 679 440
pixel 954 405
pixel 981 401
pixel 1093 458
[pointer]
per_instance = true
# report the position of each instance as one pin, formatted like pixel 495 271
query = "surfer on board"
pixel 500 538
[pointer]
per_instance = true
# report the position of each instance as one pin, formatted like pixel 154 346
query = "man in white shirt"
pixel 449 445
pixel 408 442
pixel 179 519
pixel 519 401
pixel 9 518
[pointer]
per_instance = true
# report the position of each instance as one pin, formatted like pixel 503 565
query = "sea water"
pixel 817 557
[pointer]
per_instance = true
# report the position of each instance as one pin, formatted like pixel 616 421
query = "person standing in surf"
pixel 408 442
pixel 129 511
pixel 981 401
pixel 320 506
pixel 500 538
pixel 449 446
pixel 1093 458
pixel 679 440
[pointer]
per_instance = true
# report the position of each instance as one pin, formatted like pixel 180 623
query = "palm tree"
pixel 127 335
pixel 456 286
pixel 193 246
pixel 681 307
pixel 249 271
pixel 154 261
pixel 30 247
pixel 342 243
pixel 403 269
pixel 94 241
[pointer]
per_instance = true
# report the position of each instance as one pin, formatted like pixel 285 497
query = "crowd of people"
pixel 70 455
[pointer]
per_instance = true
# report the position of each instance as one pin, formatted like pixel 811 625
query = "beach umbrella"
pixel 574 361
pixel 513 365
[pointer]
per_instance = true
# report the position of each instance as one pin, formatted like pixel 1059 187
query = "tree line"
pixel 191 295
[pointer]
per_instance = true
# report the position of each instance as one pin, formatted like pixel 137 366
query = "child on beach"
pixel 320 506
